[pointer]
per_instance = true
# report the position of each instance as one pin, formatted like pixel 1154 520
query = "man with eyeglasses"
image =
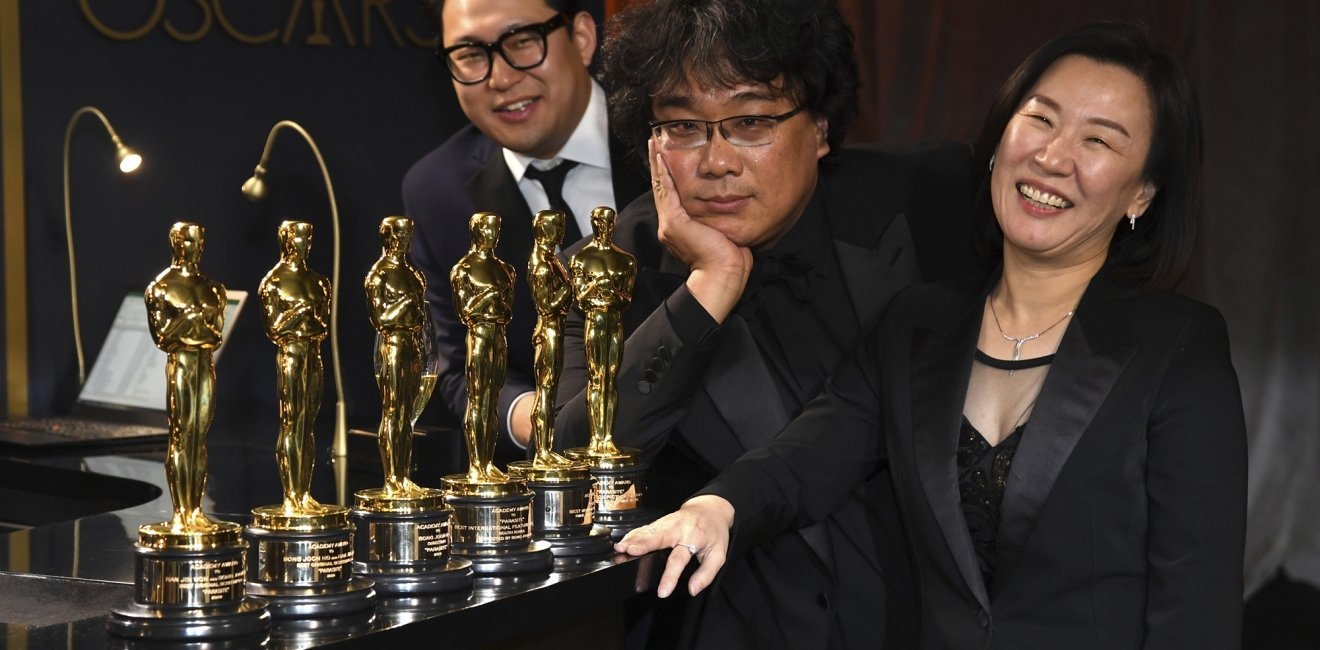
pixel 765 250
pixel 538 140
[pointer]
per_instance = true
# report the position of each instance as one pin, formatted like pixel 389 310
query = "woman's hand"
pixel 719 267
pixel 700 529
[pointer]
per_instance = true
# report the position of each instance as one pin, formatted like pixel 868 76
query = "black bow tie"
pixel 792 268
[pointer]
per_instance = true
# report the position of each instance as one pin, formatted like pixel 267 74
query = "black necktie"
pixel 552 181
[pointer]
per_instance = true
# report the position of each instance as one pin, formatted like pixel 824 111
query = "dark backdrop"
pixel 199 110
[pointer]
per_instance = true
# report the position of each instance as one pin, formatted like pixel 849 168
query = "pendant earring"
pixel 1132 221
pixel 992 162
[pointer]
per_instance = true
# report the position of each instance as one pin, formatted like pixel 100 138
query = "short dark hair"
pixel 1158 251
pixel 435 8
pixel 653 47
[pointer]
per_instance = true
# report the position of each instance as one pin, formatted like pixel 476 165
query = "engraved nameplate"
pixel 321 560
pixel 190 581
pixel 407 541
pixel 617 493
pixel 496 524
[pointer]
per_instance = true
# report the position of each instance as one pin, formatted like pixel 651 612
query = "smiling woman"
pixel 1067 442
pixel 1072 163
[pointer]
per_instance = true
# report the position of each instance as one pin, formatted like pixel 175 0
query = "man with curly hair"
pixel 765 249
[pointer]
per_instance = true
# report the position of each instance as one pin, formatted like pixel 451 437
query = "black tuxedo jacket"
pixel 695 398
pixel 441 191
pixel 1123 521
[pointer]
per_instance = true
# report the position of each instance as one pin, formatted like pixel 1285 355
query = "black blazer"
pixel 1123 522
pixel 441 191
pixel 693 396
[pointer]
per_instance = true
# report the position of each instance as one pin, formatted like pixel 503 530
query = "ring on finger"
pixel 691 548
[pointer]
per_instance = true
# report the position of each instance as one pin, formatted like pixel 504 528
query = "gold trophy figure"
pixel 564 503
pixel 483 295
pixel 603 276
pixel 301 550
pixel 552 296
pixel 295 304
pixel 403 538
pixel 492 512
pixel 186 312
pixel 190 570
pixel 397 306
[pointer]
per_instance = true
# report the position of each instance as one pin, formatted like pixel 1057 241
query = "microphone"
pixel 254 188
pixel 129 162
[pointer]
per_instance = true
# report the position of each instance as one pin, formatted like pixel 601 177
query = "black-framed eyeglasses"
pixel 523 48
pixel 738 130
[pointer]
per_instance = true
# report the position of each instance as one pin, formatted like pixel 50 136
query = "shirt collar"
pixel 810 235
pixel 588 145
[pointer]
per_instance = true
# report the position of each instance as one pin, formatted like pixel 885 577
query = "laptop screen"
pixel 130 371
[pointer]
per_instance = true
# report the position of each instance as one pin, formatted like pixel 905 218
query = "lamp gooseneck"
pixel 129 162
pixel 254 188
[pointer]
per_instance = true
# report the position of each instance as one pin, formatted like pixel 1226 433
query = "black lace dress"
pixel 983 469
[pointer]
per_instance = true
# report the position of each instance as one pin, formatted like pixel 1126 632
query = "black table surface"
pixel 74 517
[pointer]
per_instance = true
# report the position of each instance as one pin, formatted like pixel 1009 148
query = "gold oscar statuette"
pixel 190 569
pixel 403 536
pixel 492 513
pixel 564 504
pixel 603 276
pixel 302 550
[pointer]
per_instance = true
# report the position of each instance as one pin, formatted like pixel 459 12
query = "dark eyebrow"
pixel 757 95
pixel 673 101
pixel 749 95
pixel 471 38
pixel 1098 121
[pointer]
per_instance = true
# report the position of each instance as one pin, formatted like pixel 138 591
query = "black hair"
pixel 435 8
pixel 1158 251
pixel 653 47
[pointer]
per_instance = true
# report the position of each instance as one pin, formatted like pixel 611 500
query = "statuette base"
pixel 564 509
pixel 248 618
pixel 493 526
pixel 402 543
pixel 301 563
pixel 189 586
pixel 621 488
pixel 322 601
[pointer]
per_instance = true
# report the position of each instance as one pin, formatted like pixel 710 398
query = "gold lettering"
pixel 317 37
pixel 380 7
pixel 131 35
pixel 343 23
pixel 197 34
pixel 246 39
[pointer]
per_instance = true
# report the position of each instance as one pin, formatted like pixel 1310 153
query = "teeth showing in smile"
pixel 1043 198
pixel 513 108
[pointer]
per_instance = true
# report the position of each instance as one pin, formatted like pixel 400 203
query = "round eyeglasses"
pixel 522 48
pixel 739 130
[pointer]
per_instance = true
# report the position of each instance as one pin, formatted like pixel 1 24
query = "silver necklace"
pixel 1018 342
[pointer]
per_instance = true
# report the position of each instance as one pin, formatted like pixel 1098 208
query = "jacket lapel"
pixel 941 368
pixel 1083 373
pixel 875 274
pixel 737 372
